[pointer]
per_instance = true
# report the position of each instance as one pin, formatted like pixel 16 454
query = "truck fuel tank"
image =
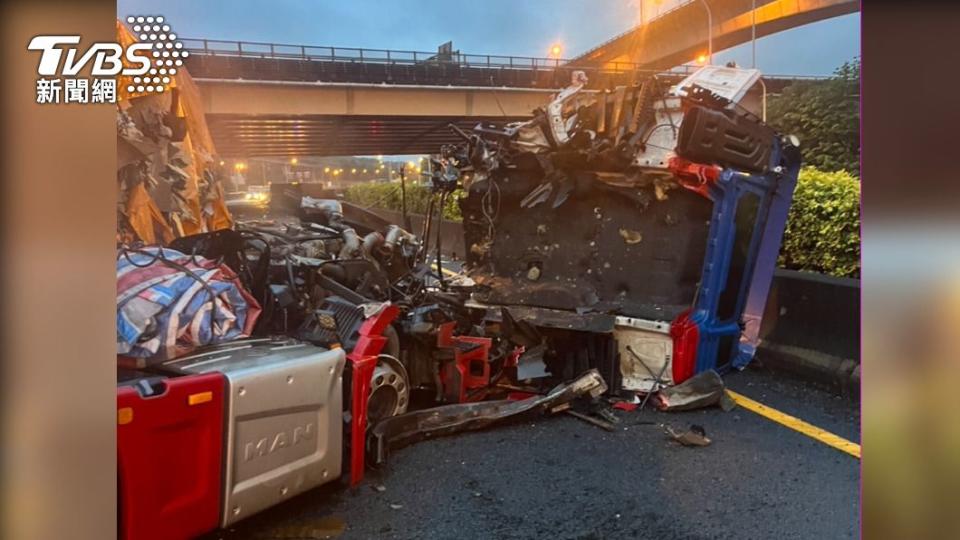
pixel 283 421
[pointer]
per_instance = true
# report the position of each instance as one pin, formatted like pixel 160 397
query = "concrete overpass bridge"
pixel 681 34
pixel 264 99
pixel 263 118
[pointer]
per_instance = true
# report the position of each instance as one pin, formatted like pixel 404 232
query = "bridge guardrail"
pixel 216 47
pixel 389 57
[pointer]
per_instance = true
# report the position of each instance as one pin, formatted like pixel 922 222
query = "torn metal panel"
pixel 656 145
pixel 548 318
pixel 726 82
pixel 705 389
pixel 405 429
pixel 530 365
pixel 168 183
pixel 560 126
pixel 646 354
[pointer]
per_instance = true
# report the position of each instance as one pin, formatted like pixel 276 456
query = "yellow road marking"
pixel 796 424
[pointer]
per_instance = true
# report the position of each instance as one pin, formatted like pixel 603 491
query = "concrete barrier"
pixel 811 328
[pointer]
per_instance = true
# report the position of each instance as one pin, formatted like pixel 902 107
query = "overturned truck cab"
pixel 636 229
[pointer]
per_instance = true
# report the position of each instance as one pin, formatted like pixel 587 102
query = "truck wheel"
pixel 389 390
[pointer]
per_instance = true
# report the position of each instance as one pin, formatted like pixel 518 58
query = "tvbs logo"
pixel 106 57
pixel 146 65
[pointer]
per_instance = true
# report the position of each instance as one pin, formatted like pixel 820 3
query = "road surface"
pixel 559 477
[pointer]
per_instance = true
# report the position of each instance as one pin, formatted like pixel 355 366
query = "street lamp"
pixel 556 50
pixel 294 161
pixel 706 6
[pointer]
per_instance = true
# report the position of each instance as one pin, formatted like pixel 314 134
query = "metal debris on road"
pixel 702 390
pixel 695 436
pixel 591 420
pixel 407 428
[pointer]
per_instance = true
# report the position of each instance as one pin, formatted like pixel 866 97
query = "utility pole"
pixel 753 32
pixel 706 6
pixel 403 198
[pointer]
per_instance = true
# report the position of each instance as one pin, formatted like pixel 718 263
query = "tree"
pixel 825 116
pixel 823 231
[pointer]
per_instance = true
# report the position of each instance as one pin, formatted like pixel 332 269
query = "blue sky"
pixel 522 28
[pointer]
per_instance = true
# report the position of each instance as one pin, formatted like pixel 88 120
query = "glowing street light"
pixel 294 161
pixel 326 169
pixel 556 50
pixel 706 6
pixel 702 59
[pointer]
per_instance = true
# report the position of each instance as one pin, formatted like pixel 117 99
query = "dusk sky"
pixel 505 27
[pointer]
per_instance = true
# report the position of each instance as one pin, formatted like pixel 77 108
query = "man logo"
pixel 270 444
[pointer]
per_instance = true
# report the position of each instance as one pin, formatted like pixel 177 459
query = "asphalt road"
pixel 559 477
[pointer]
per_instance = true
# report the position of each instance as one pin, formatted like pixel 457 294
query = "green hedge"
pixel 822 234
pixel 823 229
pixel 387 196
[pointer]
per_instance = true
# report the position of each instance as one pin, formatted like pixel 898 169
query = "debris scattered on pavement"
pixel 625 406
pixel 591 420
pixel 396 506
pixel 407 428
pixel 695 436
pixel 380 488
pixel 702 390
pixel 606 414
